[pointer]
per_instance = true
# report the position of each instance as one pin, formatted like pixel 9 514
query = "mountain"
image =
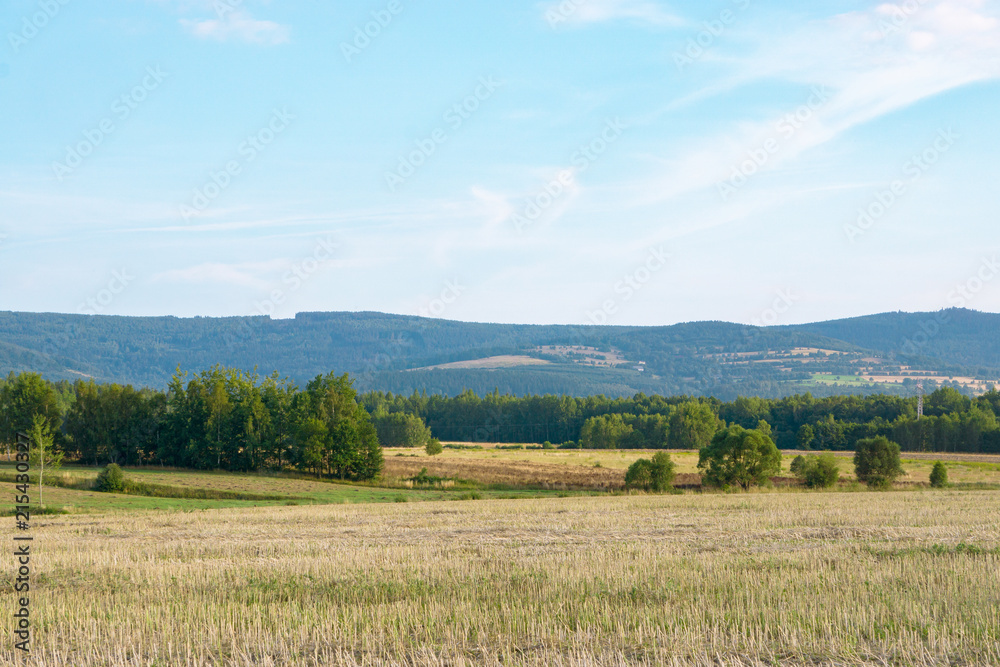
pixel 888 352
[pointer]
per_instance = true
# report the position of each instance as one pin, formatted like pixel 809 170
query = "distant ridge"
pixel 886 352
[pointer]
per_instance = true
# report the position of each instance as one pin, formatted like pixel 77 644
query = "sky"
pixel 624 162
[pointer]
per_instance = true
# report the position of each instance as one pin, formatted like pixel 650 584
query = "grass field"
pixel 486 472
pixel 605 469
pixel 517 571
pixel 905 578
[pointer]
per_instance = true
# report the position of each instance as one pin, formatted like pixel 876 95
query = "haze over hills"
pixel 889 352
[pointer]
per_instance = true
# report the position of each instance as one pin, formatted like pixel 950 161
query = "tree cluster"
pixel 218 419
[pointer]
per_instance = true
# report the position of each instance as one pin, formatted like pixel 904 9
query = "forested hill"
pixel 396 353
pixel 959 336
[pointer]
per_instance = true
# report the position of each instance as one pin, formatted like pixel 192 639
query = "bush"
pixel 111 479
pixel 433 447
pixel 399 429
pixel 798 464
pixel 876 462
pixel 639 475
pixel 651 475
pixel 739 456
pixel 821 472
pixel 422 478
pixel 939 475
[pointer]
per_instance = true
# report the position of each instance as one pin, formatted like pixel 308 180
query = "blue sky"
pixel 590 161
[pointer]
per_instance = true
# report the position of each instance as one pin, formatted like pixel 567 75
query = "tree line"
pixel 951 421
pixel 222 418
pixel 229 419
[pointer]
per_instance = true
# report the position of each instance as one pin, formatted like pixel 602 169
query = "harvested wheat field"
pixel 508 471
pixel 604 469
pixel 903 578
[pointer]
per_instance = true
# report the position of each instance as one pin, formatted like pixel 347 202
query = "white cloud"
pixel 239 26
pixel 599 11
pixel 214 273
pixel 872 62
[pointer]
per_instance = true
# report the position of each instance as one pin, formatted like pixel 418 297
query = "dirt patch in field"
pixel 523 473
pixel 505 471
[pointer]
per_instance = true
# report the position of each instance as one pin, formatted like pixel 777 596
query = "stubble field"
pixel 863 578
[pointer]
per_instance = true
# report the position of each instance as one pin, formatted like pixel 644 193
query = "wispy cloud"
pixel 598 11
pixel 239 26
pixel 869 64
pixel 250 274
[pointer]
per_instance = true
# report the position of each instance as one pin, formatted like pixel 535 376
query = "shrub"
pixel 876 462
pixel 939 475
pixel 651 475
pixel 739 456
pixel 111 479
pixel 798 463
pixel 639 475
pixel 433 447
pixel 821 471
pixel 423 478
pixel 662 471
pixel 399 429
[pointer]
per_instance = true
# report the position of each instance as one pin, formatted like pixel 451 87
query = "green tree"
pixel 737 456
pixel 798 465
pixel 43 455
pixel 662 472
pixel 639 475
pixel 876 462
pixel 806 436
pixel 22 398
pixel 692 425
pixel 604 432
pixel 399 429
pixel 111 479
pixel 433 447
pixel 651 475
pixel 820 471
pixel 336 434
pixel 939 476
